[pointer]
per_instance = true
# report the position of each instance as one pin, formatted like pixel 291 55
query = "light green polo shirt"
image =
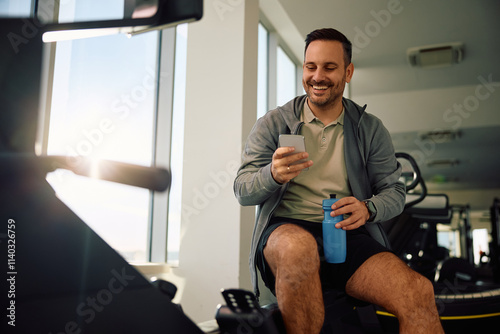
pixel 328 174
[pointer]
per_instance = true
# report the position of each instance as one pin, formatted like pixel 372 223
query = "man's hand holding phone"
pixel 290 159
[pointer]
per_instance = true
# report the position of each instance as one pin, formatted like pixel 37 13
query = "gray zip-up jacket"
pixel 372 168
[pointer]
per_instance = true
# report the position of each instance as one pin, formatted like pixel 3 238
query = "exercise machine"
pixel 465 300
pixel 58 275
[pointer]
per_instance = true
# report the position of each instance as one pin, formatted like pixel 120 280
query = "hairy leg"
pixel 292 254
pixel 387 281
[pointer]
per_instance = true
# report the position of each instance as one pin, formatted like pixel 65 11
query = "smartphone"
pixel 297 141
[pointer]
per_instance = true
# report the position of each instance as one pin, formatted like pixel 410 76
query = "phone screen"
pixel 296 141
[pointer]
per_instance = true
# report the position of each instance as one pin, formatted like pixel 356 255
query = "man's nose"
pixel 319 75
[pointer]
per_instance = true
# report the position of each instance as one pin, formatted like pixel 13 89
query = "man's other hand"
pixel 356 212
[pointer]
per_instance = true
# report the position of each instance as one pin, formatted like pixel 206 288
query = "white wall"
pixel 221 104
pixel 454 108
pixel 438 108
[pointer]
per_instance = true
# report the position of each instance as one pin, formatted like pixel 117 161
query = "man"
pixel 349 153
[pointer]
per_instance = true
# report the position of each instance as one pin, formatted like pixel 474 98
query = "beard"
pixel 328 97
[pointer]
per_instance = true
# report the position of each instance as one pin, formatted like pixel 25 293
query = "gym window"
pixel 279 73
pixel 113 97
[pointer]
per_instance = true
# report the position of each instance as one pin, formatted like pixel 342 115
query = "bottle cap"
pixel 333 195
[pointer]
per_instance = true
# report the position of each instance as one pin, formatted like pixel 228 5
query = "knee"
pixel 292 249
pixel 422 290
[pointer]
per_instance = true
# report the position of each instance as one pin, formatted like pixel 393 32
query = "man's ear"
pixel 349 71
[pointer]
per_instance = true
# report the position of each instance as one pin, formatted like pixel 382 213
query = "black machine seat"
pixel 433 208
pixel 416 227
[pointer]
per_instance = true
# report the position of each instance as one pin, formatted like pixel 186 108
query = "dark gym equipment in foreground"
pixel 58 275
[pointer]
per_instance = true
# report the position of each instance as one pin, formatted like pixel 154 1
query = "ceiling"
pixel 381 31
pixel 382 38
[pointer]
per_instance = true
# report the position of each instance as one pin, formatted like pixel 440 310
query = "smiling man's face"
pixel 324 73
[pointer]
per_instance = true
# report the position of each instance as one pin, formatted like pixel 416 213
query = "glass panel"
pixel 481 245
pixel 77 11
pixel 286 78
pixel 15 8
pixel 103 107
pixel 174 213
pixel 95 10
pixel 262 76
pixel 451 241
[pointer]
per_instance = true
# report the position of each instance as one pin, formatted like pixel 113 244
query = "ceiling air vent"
pixel 441 136
pixel 442 163
pixel 436 55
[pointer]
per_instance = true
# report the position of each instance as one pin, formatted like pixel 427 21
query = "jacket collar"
pixel 291 112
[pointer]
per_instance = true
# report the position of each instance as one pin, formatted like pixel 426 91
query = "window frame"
pixel 275 41
pixel 156 246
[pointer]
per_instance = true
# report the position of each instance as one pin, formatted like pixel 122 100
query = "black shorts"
pixel 360 246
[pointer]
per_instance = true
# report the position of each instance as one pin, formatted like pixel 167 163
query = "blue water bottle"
pixel 334 239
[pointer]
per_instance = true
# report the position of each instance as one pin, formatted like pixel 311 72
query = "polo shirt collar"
pixel 308 116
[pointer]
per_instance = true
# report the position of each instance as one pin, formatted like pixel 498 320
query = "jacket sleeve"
pixel 384 172
pixel 254 183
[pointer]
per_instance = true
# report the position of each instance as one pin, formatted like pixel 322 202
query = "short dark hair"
pixel 330 34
